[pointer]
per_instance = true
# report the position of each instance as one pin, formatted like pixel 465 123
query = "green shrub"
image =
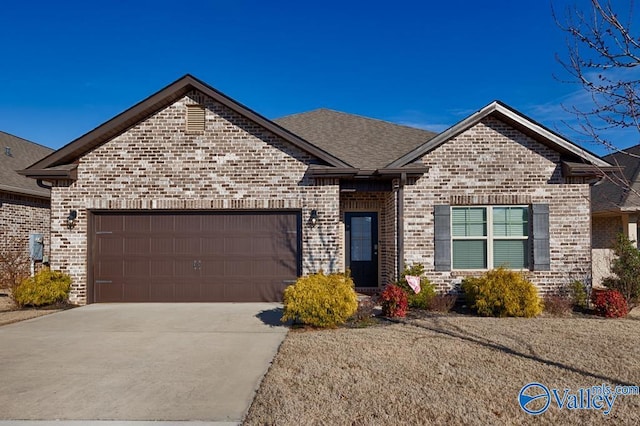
pixel 394 301
pixel 502 293
pixel 578 293
pixel 423 299
pixel 320 300
pixel 626 267
pixel 45 288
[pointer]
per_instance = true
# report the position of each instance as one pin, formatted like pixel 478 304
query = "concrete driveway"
pixel 170 362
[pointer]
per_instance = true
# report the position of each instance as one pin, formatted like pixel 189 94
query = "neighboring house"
pixel 191 196
pixel 615 205
pixel 24 206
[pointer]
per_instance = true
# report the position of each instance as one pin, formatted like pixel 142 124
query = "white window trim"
pixel 489 209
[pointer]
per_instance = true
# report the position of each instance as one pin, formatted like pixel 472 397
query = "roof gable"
pixel 517 120
pixel 154 103
pixel 16 154
pixel 362 142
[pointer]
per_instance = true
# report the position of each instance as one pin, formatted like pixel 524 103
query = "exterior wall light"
pixel 71 219
pixel 313 218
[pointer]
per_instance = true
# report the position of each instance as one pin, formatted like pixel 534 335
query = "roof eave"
pixel 130 117
pixel 28 192
pixel 504 111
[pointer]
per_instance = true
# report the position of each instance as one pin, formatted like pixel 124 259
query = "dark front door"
pixel 362 247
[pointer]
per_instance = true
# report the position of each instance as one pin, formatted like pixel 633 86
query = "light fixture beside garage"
pixel 313 218
pixel 71 219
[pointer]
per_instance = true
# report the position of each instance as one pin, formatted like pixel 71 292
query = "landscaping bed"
pixel 9 313
pixel 448 369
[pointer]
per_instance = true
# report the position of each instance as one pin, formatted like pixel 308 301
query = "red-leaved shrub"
pixel 394 301
pixel 610 303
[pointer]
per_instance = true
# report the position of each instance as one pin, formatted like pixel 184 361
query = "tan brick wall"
pixel 604 231
pixel 233 164
pixel 492 163
pixel 21 216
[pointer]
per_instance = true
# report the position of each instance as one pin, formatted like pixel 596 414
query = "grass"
pixel 447 369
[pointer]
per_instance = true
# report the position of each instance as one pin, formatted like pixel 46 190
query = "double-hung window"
pixel 486 237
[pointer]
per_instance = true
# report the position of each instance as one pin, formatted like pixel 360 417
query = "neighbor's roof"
pixel 620 190
pixel 16 154
pixel 364 143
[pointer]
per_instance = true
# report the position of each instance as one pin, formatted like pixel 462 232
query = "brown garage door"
pixel 193 257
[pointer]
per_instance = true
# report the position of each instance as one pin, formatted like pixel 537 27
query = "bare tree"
pixel 603 58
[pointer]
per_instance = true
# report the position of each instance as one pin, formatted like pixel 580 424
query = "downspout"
pixel 42 184
pixel 400 225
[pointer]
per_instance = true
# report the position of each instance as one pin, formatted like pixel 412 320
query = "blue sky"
pixel 69 66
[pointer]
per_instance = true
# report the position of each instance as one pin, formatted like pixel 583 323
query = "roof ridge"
pixel 364 117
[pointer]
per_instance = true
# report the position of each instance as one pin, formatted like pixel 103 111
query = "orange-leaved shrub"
pixel 320 300
pixel 502 293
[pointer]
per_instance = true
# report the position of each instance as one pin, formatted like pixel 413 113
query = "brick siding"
pixel 156 165
pixel 493 163
pixel 21 216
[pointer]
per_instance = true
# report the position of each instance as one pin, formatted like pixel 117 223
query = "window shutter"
pixel 442 243
pixel 541 257
pixel 195 118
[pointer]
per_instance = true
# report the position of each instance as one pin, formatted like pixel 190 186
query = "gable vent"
pixel 195 118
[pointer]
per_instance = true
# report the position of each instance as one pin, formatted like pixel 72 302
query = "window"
pixel 489 237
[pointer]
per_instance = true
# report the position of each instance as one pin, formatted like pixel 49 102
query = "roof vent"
pixel 195 118
pixel 7 151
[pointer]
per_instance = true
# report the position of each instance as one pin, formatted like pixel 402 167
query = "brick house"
pixel 615 205
pixel 191 196
pixel 24 205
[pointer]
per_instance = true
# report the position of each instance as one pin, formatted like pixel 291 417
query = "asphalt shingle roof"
pixel 620 191
pixel 17 154
pixel 364 143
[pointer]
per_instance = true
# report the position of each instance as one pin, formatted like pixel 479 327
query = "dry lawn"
pixel 448 369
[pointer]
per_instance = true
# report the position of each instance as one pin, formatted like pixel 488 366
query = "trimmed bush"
pixel 610 303
pixel 502 293
pixel 45 288
pixel 578 293
pixel 423 299
pixel 394 301
pixel 320 300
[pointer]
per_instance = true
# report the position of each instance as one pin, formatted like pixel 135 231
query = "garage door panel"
pixel 161 268
pixel 208 257
pixel 136 224
pixel 161 223
pixel 187 290
pixel 135 290
pixel 136 245
pixel 161 245
pixel 110 245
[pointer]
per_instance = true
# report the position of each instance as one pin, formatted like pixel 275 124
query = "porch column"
pixel 630 226
pixel 400 225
